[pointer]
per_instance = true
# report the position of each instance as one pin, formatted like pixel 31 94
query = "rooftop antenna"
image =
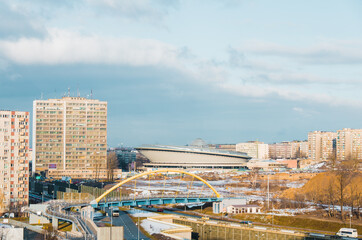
pixel 68 92
pixel 78 93
pixel 41 95
pixel 91 95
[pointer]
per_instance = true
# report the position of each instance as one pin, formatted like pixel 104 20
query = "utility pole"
pixel 268 192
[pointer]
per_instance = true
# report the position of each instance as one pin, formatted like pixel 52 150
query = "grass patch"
pixel 298 222
pixel 22 219
pixel 64 226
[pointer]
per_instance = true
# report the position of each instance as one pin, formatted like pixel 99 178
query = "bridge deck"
pixel 154 201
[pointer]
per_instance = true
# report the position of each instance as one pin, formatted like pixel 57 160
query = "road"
pixel 129 227
pixel 306 230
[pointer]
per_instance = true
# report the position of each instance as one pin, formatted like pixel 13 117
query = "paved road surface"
pixel 130 229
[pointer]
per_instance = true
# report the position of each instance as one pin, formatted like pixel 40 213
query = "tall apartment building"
pixel 14 165
pixel 349 143
pixel 321 145
pixel 70 137
pixel 255 149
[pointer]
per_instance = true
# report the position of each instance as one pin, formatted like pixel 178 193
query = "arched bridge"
pixel 163 198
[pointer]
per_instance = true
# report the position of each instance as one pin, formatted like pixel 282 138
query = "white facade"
pixel 182 156
pixel 221 207
pixel 256 150
pixel 236 209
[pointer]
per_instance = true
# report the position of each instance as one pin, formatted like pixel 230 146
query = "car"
pixel 149 206
pixel 8 215
pixel 347 232
pixel 159 210
pixel 246 222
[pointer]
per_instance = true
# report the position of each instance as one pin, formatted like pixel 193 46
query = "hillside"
pixel 325 188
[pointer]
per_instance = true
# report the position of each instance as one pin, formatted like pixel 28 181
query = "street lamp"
pixel 111 222
pixel 138 225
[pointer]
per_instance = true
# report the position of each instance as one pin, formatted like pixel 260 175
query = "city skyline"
pixel 227 72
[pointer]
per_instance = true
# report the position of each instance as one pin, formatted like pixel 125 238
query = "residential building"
pixel 14 159
pixel 299 149
pixel 254 149
pixel 125 156
pixel 70 136
pixel 281 150
pixel 288 150
pixel 349 144
pixel 322 145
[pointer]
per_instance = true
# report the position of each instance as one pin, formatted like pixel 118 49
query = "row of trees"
pixel 341 185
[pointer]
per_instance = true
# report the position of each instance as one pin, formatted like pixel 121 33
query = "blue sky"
pixel 171 71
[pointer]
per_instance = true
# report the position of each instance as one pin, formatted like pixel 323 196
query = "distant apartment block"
pixel 281 150
pixel 255 149
pixel 349 144
pixel 14 159
pixel 70 136
pixel 288 150
pixel 322 145
pixel 126 156
pixel 300 149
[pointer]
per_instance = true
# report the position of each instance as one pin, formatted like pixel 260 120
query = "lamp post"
pixel 111 222
pixel 138 225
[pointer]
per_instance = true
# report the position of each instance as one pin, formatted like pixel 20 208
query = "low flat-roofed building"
pixel 266 165
pixel 236 209
pixel 221 207
pixel 290 163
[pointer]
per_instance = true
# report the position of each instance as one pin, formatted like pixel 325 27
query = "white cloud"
pixel 322 52
pixel 65 47
pixel 297 109
pixel 302 95
pixel 149 10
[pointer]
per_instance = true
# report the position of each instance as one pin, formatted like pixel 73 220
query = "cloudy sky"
pixel 171 71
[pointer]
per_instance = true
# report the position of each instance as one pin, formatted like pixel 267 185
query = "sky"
pixel 171 71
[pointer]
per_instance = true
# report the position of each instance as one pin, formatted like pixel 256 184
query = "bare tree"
pixel 332 160
pixel 4 233
pixel 112 163
pixel 331 196
pixel 253 177
pixel 359 203
pixel 3 207
pixel 51 234
pixel 343 177
pixel 354 199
